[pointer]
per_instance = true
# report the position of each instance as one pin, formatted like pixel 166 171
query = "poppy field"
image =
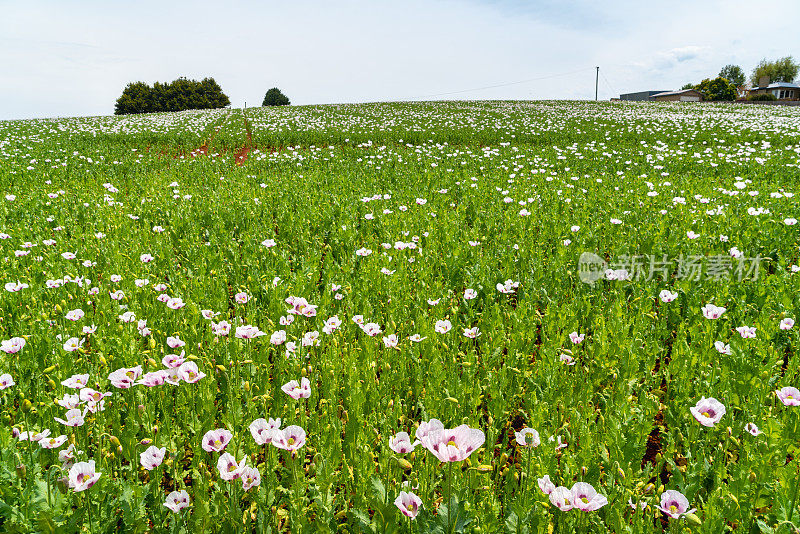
pixel 451 317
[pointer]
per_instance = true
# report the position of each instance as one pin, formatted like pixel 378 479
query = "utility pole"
pixel 596 79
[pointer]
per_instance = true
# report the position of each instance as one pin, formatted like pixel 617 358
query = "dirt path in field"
pixel 241 154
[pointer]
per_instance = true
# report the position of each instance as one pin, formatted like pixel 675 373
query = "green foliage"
pixel 178 95
pixel 734 74
pixel 762 97
pixel 784 69
pixel 274 97
pixel 689 85
pixel 717 90
pixel 454 179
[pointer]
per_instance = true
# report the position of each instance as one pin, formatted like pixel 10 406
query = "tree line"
pixel 182 94
pixel 731 80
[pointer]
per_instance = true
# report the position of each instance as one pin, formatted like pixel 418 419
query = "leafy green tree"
pixel 689 85
pixel 734 74
pixel 784 69
pixel 274 97
pixel 136 98
pixel 718 89
pixel 177 95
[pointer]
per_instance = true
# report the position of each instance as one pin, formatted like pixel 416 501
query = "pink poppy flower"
pixel 73 344
pixel 443 327
pixel 527 437
pixel 453 445
pixel 83 476
pixel 91 395
pixel 713 312
pixel 228 468
pixel 401 443
pixel 787 323
pixel 241 297
pixel 577 338
pixel 221 328
pixel 177 501
pixel 216 440
pixel 472 333
pixel 249 332
pixel 708 412
pixel 546 485
pixel 746 331
pixel 667 296
pixel 752 429
pixel 408 503
pixel 75 315
pixel 586 498
pixel 278 338
pixel 152 457
pixel 153 378
pixel 290 438
pixel 371 329
pixel 175 342
pixel 175 303
pixel 263 430
pixel 250 477
pixel 52 442
pixel 562 498
pixel 675 504
pixel 190 373
pixel 297 391
pixel 390 341
pixel 470 294
pixel 76 381
pixel 145 258
pixel 173 361
pixel 428 427
pixel 6 381
pixel 331 325
pixel 789 396
pixel 13 345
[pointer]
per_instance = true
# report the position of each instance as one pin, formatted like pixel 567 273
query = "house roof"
pixel 684 91
pixel 778 85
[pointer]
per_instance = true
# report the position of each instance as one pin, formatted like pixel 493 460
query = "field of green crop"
pixel 517 317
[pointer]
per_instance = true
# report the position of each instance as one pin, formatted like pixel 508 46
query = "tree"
pixel 274 97
pixel 689 85
pixel 718 89
pixel 784 69
pixel 733 73
pixel 136 98
pixel 177 95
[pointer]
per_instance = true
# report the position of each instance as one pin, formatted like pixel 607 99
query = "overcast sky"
pixel 67 58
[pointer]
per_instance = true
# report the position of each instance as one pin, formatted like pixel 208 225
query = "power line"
pixel 503 84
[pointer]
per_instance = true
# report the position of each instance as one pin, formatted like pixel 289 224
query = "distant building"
pixel 641 95
pixel 781 90
pixel 686 95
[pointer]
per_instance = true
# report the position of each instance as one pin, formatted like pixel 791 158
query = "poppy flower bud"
pixel 50 369
pixel 620 472
pixel 15 432
pixel 247 386
pixel 405 464
pixel 114 441
pixel 22 471
pixel 648 488
pixel 140 408
pixel 503 460
pixel 692 519
pixel 59 309
pixel 145 442
pixel 584 470
pixel 152 343
pixel 51 384
pixel 485 468
pixel 63 485
pixel 303 372
pixel 26 405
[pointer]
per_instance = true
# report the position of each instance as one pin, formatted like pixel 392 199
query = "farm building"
pixel 781 90
pixel 641 95
pixel 686 95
